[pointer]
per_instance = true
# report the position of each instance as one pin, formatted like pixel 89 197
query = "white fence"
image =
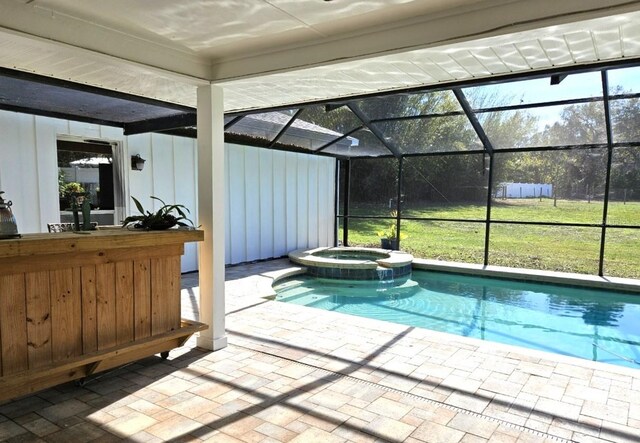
pixel 524 190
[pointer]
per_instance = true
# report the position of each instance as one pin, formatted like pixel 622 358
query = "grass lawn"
pixel 556 248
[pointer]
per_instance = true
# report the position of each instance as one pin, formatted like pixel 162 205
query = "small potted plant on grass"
pixel 166 217
pixel 389 237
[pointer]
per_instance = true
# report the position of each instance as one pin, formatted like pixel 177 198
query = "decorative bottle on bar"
pixel 8 226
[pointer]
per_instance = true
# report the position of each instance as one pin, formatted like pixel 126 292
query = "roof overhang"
pixel 295 52
pixel 139 69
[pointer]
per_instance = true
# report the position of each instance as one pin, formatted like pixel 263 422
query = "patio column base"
pixel 213 344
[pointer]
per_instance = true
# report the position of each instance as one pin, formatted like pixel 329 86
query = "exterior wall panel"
pixel 252 198
pixel 267 192
pixel 236 208
pixel 276 201
pixel 279 204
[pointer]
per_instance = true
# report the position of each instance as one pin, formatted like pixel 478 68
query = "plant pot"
pixel 157 226
pixel 389 243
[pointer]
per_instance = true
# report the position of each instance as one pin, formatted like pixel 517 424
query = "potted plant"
pixel 166 217
pixel 389 237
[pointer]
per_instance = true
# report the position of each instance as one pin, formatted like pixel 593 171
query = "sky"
pixel 573 86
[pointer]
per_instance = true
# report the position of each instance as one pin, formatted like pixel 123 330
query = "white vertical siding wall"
pixel 277 202
pixel 29 169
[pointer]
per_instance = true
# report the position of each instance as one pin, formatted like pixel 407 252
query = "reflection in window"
pixel 85 170
pixel 79 173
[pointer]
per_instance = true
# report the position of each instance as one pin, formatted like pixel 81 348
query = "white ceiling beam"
pixel 495 18
pixel 53 27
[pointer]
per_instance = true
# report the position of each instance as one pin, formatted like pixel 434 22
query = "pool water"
pixel 591 324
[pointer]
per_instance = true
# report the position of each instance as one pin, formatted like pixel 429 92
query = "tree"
pixel 625 167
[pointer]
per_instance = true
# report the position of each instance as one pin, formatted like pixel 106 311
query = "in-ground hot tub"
pixel 354 263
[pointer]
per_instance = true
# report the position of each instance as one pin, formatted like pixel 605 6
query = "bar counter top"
pixel 84 241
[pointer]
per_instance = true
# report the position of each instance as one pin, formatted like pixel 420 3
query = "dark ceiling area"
pixel 46 96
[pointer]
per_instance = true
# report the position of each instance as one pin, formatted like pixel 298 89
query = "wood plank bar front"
pixel 75 303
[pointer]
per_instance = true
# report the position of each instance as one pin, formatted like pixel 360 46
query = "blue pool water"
pixel 591 324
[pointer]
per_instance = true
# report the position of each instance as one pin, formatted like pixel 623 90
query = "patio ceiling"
pixel 34 94
pixel 137 64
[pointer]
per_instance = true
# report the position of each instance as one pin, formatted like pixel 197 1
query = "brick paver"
pixel 295 374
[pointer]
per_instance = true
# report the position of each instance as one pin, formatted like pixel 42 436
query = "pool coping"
pixel 563 278
pixel 395 259
pixel 535 275
pixel 265 290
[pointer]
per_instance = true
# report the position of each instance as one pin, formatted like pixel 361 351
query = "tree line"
pixel 576 167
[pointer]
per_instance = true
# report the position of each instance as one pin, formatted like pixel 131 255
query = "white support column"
pixel 211 215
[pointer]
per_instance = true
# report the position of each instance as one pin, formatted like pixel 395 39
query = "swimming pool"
pixel 591 324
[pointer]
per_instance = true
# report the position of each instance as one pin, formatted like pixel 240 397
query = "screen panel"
pixel 448 241
pixel 622 253
pixel 448 186
pixel 362 143
pixel 539 90
pixel 624 190
pixel 364 232
pixel 409 104
pixel 550 248
pixel 373 186
pixel 549 186
pixel 560 125
pixel 624 80
pixel 263 126
pixel 625 124
pixel 436 134
pixel 318 125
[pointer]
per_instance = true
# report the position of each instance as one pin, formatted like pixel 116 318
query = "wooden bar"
pixel 66 321
pixel 72 304
pixel 13 324
pixel 38 318
pixel 106 296
pixel 89 309
pixel 142 295
pixel 124 302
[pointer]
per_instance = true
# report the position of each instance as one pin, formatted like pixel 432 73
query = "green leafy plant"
pixel 73 188
pixel 391 233
pixel 164 218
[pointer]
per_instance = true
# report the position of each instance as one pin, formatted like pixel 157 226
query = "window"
pixel 86 170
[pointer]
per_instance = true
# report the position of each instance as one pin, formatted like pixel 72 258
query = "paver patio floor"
pixel 298 374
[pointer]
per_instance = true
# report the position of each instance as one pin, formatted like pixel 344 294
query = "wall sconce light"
pixel 137 162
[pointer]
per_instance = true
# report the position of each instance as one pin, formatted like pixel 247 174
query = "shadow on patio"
pixel 298 374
